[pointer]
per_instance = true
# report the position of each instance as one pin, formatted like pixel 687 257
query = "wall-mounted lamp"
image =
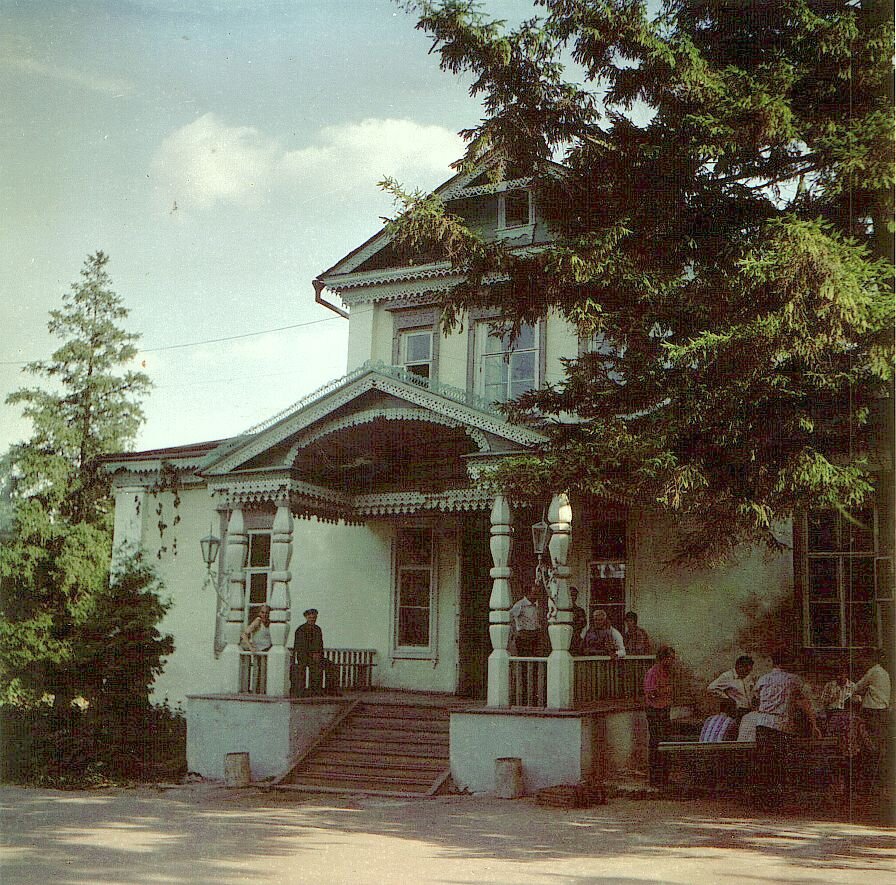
pixel 210 546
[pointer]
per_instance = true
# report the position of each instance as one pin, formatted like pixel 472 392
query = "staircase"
pixel 393 749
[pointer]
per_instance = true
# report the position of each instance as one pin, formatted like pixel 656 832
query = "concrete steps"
pixel 397 749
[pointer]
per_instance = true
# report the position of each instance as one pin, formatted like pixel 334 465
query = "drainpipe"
pixel 319 286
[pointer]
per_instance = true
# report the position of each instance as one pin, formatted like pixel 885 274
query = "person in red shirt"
pixel 658 700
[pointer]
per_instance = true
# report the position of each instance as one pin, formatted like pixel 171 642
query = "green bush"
pixel 69 747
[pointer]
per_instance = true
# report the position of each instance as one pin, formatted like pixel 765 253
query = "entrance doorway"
pixel 474 643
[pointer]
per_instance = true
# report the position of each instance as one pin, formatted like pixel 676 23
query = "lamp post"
pixel 210 546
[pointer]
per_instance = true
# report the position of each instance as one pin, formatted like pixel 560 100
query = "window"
pixel 840 577
pixel 601 346
pixel 606 572
pixel 415 341
pixel 505 370
pixel 515 209
pixel 415 351
pixel 414 591
pixel 258 574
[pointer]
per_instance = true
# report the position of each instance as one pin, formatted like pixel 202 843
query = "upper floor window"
pixel 258 574
pixel 506 368
pixel 515 209
pixel 415 340
pixel 415 351
pixel 414 592
pixel 840 608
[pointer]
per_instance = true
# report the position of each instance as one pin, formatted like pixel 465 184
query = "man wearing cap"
pixel 307 652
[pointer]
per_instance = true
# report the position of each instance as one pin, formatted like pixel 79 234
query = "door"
pixel 474 643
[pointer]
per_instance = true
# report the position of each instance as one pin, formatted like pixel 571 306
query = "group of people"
pixel 528 623
pixel 774 709
pixel 307 666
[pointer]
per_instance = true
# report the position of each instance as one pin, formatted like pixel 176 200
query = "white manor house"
pixel 362 500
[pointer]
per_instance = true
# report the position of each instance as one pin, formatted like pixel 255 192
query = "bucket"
pixel 236 770
pixel 509 777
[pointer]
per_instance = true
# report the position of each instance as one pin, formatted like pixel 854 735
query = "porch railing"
pixel 253 672
pixel 351 668
pixel 528 682
pixel 345 669
pixel 602 678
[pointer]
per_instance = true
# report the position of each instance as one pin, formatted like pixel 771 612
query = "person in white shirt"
pixel 874 689
pixel 525 622
pixel 735 687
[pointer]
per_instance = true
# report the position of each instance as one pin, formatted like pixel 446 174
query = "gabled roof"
pixel 341 404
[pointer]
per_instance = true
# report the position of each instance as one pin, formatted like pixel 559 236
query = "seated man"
pixel 602 638
pixel 735 686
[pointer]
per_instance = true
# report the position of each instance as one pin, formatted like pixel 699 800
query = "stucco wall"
pixel 360 336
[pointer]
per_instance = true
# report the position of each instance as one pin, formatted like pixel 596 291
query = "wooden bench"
pixel 733 764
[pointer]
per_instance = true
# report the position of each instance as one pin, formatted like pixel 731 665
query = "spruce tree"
pixel 55 555
pixel 722 217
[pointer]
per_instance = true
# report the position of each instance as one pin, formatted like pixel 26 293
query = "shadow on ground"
pixel 202 833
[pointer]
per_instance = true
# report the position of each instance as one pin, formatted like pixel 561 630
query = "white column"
pixel 234 560
pixel 281 554
pixel 499 605
pixel 560 661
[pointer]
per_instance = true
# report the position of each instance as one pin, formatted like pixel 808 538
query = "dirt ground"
pixel 204 833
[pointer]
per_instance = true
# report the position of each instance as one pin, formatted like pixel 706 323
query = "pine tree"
pixel 722 216
pixel 55 556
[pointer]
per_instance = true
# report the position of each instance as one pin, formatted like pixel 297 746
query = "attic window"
pixel 517 209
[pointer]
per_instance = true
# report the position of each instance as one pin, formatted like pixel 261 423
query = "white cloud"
pixel 209 162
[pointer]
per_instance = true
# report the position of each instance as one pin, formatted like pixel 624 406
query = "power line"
pixel 204 341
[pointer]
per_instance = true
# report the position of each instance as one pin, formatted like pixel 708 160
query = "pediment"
pixel 377 427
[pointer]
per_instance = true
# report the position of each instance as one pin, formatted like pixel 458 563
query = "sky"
pixel 222 154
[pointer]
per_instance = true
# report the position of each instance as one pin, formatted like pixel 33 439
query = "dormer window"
pixel 515 210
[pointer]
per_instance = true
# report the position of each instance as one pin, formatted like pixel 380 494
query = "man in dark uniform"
pixel 307 652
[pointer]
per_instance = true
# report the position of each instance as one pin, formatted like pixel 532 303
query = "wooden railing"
pixel 528 682
pixel 602 678
pixel 345 669
pixel 352 668
pixel 253 672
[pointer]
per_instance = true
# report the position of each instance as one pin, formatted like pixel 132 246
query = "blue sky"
pixel 222 155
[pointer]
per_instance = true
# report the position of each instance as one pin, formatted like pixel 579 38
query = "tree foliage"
pixel 722 215
pixel 65 629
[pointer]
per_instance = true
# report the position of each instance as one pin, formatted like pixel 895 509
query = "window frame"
pixel 527 227
pixel 414 652
pixel 249 571
pixel 408 320
pixel 480 332
pixel 840 557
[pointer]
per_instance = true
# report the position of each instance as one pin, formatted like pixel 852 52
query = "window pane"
pixel 413 626
pixel 415 546
pixel 260 550
pixel 824 624
pixel 516 208
pixel 495 371
pixel 862 625
pixel 859 532
pixel 258 589
pixel 823 578
pixel 522 367
pixel 823 530
pixel 860 577
pixel 418 347
pixel 526 338
pixel 414 588
pixel 421 369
